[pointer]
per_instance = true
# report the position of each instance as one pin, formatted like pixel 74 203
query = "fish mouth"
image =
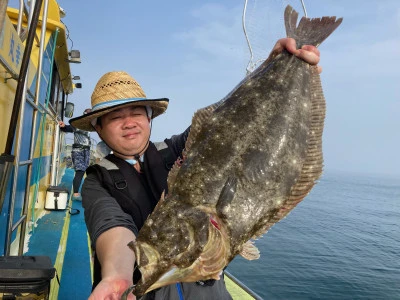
pixel 157 272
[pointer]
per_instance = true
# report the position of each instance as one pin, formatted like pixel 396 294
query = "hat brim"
pixel 159 106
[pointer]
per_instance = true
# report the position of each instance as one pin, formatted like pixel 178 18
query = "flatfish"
pixel 249 160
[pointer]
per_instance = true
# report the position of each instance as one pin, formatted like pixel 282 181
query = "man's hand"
pixel 61 124
pixel 111 289
pixel 307 53
pixel 117 263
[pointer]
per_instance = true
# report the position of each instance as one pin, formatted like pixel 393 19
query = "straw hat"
pixel 116 90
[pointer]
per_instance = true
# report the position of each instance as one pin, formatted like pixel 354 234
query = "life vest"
pixel 137 196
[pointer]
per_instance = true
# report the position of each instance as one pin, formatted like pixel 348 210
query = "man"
pixel 121 115
pixel 80 154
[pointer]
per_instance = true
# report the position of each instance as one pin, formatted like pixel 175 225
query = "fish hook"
pixel 127 292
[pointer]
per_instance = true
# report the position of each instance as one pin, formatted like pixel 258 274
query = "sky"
pixel 195 52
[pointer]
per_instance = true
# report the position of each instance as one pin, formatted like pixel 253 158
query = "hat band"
pixel 114 102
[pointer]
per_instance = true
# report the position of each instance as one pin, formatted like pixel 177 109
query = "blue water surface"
pixel 341 242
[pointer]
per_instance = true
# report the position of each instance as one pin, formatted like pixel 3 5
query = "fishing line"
pixel 269 9
pixel 304 8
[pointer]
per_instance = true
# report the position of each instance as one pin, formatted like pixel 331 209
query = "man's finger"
pixel 311 48
pixel 311 57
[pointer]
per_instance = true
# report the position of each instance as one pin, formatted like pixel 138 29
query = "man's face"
pixel 125 130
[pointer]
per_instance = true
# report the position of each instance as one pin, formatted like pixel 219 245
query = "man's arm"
pixel 117 263
pixel 110 230
pixel 64 127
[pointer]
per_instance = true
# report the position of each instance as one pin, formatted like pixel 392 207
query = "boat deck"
pixel 63 237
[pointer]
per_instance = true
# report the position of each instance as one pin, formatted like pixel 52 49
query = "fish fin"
pixel 313 164
pixel 227 194
pixel 173 173
pixel 131 245
pixel 200 117
pixel 250 251
pixel 162 199
pixel 309 31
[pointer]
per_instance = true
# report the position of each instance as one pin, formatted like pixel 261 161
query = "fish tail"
pixel 309 31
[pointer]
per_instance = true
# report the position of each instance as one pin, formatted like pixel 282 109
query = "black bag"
pixel 25 274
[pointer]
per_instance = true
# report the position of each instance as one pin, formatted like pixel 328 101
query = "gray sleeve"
pixel 102 211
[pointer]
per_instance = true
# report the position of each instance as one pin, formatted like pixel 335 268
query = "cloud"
pixel 218 33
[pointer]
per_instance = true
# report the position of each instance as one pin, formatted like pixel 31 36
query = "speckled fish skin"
pixel 249 160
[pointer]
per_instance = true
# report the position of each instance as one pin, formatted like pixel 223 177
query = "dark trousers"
pixel 77 180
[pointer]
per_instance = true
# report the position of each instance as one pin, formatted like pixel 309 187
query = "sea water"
pixel 341 242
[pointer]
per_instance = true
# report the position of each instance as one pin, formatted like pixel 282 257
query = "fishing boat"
pixel 44 245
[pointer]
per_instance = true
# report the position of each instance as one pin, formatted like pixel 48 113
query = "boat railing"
pixel 24 95
pixel 18 108
pixel 242 286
